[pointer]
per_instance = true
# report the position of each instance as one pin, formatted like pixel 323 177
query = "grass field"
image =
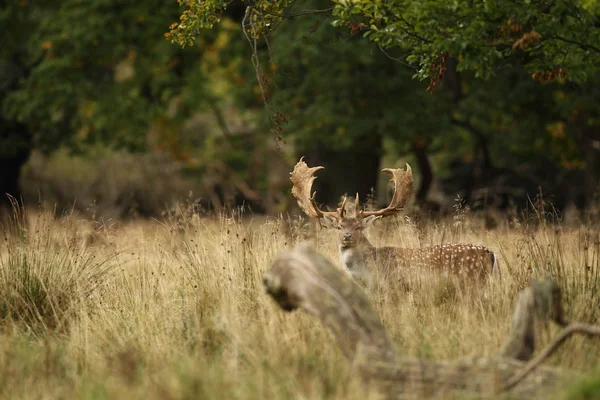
pixel 176 310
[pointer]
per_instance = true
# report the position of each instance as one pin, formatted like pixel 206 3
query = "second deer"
pixel 358 255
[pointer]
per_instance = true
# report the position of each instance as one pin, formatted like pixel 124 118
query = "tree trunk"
pixel 589 144
pixel 420 153
pixel 453 83
pixel 303 279
pixel 452 80
pixel 347 171
pixel 16 148
pixel 481 144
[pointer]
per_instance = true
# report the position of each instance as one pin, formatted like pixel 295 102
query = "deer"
pixel 357 254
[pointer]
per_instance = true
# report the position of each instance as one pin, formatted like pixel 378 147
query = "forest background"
pixel 491 103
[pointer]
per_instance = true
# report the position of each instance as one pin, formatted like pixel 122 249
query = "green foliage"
pixel 334 89
pixel 79 73
pixel 196 16
pixel 552 40
pixel 528 120
pixel 90 73
pixel 546 36
pixel 262 17
pixel 587 388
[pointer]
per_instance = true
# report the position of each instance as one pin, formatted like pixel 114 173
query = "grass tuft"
pixel 44 284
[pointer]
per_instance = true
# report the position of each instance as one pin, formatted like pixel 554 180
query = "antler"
pixel 302 178
pixel 403 184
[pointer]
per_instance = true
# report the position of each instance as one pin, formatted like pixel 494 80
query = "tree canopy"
pixel 550 39
pixel 92 71
pixel 524 72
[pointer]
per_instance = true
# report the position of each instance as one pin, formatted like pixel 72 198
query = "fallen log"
pixel 303 279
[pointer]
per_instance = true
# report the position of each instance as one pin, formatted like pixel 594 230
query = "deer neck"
pixel 355 258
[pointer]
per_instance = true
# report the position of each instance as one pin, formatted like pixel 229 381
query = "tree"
pixel 463 44
pixel 342 98
pixel 73 73
pixel 323 88
pixel 552 40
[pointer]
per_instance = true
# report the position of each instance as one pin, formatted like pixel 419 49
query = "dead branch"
pixel 570 330
pixel 539 302
pixel 302 278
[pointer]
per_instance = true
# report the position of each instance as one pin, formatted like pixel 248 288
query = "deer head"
pixel 351 227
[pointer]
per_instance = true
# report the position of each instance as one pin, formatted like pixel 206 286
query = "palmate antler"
pixel 302 178
pixel 403 185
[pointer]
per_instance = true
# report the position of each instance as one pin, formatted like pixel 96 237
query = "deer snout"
pixel 347 236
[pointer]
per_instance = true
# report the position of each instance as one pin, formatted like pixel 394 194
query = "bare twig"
pixel 248 21
pixel 589 330
pixel 584 46
pixel 398 60
pixel 248 25
pixel 410 30
pixel 220 119
pixel 293 14
pixel 307 12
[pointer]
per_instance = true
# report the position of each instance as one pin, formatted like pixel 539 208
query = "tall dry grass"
pixel 177 311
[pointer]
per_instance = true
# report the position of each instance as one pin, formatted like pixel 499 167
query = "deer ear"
pixel 367 221
pixel 329 221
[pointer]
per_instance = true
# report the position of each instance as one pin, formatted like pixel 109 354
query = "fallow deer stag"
pixel 472 262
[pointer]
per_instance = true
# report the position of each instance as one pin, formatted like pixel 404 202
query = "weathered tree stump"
pixel 302 278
